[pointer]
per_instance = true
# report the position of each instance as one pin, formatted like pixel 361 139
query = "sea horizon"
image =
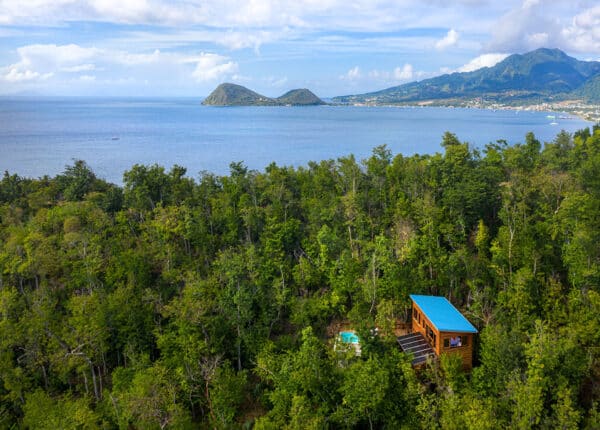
pixel 43 134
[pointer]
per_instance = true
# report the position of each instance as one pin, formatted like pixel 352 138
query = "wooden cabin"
pixel 438 328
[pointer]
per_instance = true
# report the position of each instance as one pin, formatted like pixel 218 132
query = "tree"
pixel 77 180
pixel 363 391
pixel 298 379
pixel 43 412
pixel 149 399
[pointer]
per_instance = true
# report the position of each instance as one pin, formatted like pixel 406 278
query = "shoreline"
pixel 585 112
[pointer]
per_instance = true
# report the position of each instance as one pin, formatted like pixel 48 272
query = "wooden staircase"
pixel 416 345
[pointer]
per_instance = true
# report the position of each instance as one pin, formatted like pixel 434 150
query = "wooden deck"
pixel 416 344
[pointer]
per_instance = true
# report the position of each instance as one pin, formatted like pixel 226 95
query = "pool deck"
pixel 400 328
pixel 340 343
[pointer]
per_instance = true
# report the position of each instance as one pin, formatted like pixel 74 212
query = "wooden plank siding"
pixel 422 324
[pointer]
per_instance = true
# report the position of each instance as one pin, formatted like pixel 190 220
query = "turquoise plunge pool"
pixel 348 337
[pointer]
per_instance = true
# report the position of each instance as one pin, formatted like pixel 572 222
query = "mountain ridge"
pixel 540 75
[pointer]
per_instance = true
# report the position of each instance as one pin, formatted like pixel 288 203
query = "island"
pixel 228 94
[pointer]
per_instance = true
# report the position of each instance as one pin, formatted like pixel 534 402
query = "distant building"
pixel 438 328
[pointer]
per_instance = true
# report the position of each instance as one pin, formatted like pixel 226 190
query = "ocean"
pixel 40 136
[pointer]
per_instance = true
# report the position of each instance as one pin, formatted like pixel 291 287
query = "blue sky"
pixel 334 47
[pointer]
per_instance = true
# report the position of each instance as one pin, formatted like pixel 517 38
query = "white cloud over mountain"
pixel 485 60
pixel 210 67
pixel 398 75
pixel 534 24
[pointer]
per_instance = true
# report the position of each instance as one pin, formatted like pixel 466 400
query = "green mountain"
pixel 539 75
pixel 589 91
pixel 236 95
pixel 300 97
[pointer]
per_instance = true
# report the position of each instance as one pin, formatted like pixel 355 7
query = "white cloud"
pixel 130 59
pixel 210 67
pixel 79 68
pixel 404 73
pixel 241 40
pixel 583 34
pixel 352 74
pixel 485 60
pixel 376 77
pixel 530 3
pixel 538 39
pixel 42 62
pixel 535 24
pixel 376 15
pixel 588 19
pixel 161 39
pixel 59 11
pixel 53 56
pixel 124 11
pixel 14 74
pixel 447 41
pixel 276 82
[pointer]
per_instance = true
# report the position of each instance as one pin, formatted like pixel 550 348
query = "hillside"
pixel 589 91
pixel 538 75
pixel 300 97
pixel 236 95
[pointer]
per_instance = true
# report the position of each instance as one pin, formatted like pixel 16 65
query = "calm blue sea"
pixel 39 136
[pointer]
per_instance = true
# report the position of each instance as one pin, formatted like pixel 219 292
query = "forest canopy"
pixel 179 302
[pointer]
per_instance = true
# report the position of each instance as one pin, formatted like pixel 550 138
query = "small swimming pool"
pixel 348 337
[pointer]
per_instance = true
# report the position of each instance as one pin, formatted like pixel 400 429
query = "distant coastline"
pixel 540 80
pixel 586 112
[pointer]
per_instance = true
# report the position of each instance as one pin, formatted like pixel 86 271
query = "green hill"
pixel 537 75
pixel 590 91
pixel 300 97
pixel 236 95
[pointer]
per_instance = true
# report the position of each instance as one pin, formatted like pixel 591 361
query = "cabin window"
pixel 417 315
pixel 430 334
pixel 456 341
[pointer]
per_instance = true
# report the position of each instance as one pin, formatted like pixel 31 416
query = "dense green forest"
pixel 174 302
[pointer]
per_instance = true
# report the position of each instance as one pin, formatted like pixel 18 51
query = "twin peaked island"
pixel 438 328
pixel 236 95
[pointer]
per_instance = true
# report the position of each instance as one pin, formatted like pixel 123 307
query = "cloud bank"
pixel 60 62
pixel 194 43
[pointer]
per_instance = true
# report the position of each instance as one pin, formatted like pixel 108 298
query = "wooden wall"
pixel 464 351
pixel 420 324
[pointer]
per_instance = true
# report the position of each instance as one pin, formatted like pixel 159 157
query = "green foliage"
pixel 44 412
pixel 213 303
pixel 363 391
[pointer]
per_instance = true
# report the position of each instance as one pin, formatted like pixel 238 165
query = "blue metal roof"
pixel 442 314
